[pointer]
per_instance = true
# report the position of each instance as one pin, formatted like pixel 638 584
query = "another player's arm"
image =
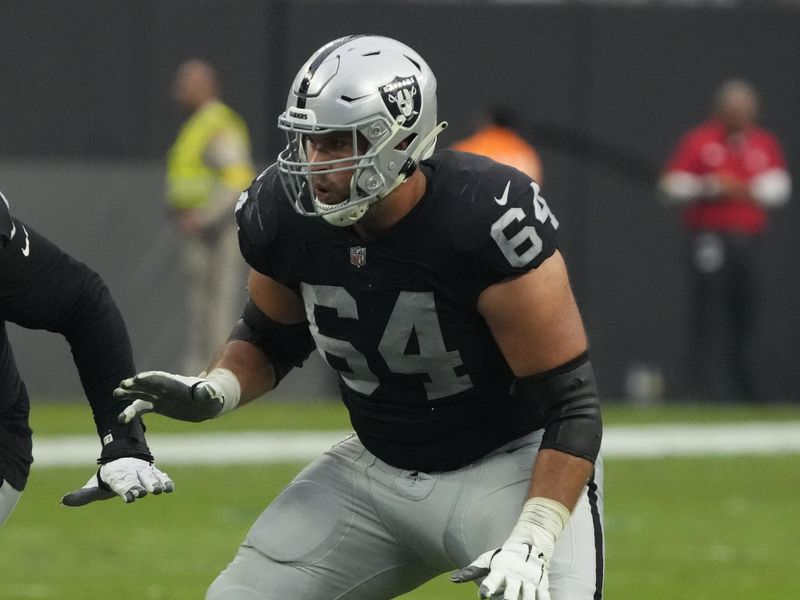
pixel 269 340
pixel 45 288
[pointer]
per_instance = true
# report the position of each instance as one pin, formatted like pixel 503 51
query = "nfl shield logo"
pixel 358 256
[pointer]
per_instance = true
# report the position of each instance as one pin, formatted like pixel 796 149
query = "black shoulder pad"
pixel 257 215
pixel 256 212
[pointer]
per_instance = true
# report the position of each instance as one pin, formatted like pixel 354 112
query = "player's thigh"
pixel 254 576
pixel 321 539
pixel 494 492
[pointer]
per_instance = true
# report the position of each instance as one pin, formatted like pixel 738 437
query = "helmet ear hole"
pixel 410 165
pixel 406 142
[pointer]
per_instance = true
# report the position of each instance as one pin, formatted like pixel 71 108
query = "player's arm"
pixel 536 323
pixel 100 345
pixel 270 339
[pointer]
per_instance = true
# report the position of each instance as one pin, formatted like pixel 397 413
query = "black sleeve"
pixel 41 287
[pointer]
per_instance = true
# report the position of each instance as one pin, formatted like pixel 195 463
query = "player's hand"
pixel 517 570
pixel 129 478
pixel 176 396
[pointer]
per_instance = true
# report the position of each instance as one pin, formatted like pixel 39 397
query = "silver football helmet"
pixel 373 88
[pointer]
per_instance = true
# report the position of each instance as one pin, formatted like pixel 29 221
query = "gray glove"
pixel 176 396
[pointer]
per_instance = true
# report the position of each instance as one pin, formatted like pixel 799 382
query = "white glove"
pixel 127 477
pixel 516 569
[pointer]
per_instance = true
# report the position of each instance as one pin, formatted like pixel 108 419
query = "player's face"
pixel 331 187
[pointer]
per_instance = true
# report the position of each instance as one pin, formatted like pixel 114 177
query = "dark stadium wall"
pixel 602 91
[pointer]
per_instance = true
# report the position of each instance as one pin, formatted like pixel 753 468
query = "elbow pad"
pixel 286 346
pixel 568 402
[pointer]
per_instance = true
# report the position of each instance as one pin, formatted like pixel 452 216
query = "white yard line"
pixel 646 441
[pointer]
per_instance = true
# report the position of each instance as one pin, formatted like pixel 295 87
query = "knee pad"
pixel 303 524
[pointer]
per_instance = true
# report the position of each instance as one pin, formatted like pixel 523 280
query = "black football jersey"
pixel 425 383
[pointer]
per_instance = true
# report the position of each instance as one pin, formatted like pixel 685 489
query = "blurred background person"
pixel 497 138
pixel 207 168
pixel 726 173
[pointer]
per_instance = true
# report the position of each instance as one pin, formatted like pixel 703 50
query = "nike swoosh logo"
pixel 27 249
pixel 504 198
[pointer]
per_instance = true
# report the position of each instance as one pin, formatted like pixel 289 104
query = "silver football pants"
pixel 349 526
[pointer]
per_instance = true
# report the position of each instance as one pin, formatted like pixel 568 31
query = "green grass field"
pixel 702 528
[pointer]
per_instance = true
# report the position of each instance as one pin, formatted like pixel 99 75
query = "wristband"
pixel 541 522
pixel 227 386
pixel 124 440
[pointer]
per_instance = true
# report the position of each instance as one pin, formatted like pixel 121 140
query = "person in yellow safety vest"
pixel 208 166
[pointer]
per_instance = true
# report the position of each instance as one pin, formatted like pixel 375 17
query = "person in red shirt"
pixel 726 173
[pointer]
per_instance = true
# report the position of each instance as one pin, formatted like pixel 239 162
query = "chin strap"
pixel 345 218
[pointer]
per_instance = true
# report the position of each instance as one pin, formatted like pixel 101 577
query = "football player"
pixel 41 287
pixel 432 283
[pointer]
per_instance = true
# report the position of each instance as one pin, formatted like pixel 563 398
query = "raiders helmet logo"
pixel 403 98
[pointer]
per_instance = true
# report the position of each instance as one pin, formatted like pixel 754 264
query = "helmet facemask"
pixel 367 183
